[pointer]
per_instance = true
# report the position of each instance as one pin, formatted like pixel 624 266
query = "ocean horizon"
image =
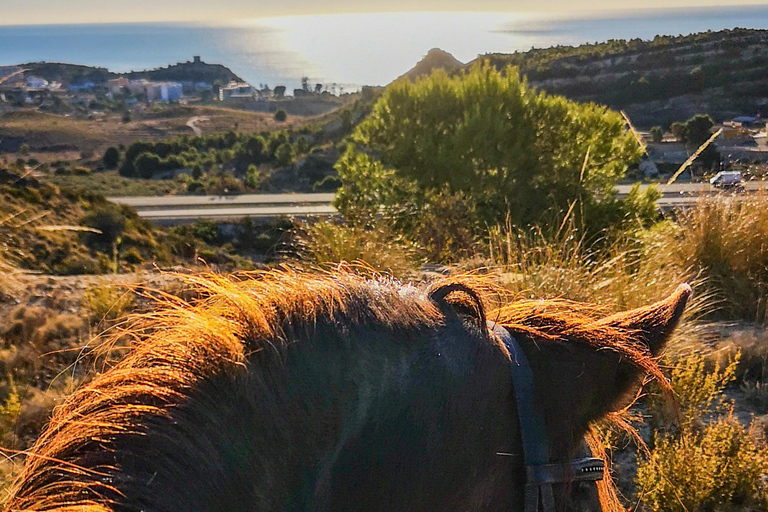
pixel 349 50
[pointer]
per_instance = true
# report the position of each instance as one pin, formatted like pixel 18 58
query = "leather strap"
pixel 539 473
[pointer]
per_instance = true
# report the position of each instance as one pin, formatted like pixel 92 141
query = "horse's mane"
pixel 182 343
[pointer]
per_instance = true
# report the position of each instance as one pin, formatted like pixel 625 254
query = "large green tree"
pixel 487 135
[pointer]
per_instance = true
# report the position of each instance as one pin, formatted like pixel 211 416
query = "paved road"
pixel 181 209
pixel 154 202
pixel 692 188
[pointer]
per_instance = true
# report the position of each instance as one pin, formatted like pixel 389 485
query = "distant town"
pixel 26 86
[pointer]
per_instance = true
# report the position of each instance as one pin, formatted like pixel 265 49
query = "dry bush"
pixel 724 239
pixel 104 303
pixel 719 467
pixel 709 461
pixel 38 343
pixel 627 274
pixel 380 248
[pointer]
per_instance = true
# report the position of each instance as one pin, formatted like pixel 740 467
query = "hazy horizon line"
pixel 624 12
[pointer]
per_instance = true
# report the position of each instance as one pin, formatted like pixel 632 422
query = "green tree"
pixel 147 164
pixel 678 130
pixel 252 178
pixel 657 134
pixel 24 149
pixel 697 129
pixel 111 157
pixel 302 145
pixel 284 154
pixel 488 135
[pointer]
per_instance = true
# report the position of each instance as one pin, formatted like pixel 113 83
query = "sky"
pixel 39 12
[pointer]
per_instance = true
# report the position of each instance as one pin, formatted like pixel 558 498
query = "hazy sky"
pixel 105 11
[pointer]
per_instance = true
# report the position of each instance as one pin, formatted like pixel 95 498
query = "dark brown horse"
pixel 293 392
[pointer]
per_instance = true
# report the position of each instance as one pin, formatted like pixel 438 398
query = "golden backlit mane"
pixel 182 343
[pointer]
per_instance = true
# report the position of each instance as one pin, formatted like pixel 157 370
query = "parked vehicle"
pixel 726 179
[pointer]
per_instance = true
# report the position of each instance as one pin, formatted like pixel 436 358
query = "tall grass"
pixel 725 240
pixel 629 273
pixel 380 248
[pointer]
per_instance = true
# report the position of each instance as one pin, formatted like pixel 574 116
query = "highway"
pixel 171 210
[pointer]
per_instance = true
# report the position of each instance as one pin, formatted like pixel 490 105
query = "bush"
pixel 723 240
pixel 380 248
pixel 105 303
pixel 110 221
pixel 713 468
pixel 486 134
pixel 133 257
pixel 147 164
pixel 284 154
pixel 705 463
pixel 111 157
pixel 281 116
pixel 252 178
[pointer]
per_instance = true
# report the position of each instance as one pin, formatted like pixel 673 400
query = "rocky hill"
pixel 434 59
pixel 72 74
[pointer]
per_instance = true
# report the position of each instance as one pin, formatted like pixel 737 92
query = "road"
pixel 8 77
pixel 183 209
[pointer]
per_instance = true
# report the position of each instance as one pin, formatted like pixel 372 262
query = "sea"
pixel 347 51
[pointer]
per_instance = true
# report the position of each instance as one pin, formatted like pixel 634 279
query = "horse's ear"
pixel 656 322
pixel 459 299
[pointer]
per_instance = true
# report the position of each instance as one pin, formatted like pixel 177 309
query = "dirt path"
pixel 192 123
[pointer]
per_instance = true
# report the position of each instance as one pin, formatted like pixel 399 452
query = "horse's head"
pixel 584 365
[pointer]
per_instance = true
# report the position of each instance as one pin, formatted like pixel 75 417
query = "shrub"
pixel 707 462
pixel 509 148
pixel 104 302
pixel 723 240
pixel 302 145
pixel 252 178
pixel 133 257
pixel 111 157
pixel 81 171
pixel 281 116
pixel 718 466
pixel 195 187
pixel 284 154
pixel 110 221
pixel 380 248
pixel 147 164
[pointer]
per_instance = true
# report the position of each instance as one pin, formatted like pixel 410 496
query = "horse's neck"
pixel 326 397
pixel 387 423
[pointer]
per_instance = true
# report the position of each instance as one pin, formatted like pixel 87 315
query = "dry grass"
pixel 379 248
pixel 725 240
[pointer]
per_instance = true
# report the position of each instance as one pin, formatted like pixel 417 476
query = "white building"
pixel 236 90
pixel 34 82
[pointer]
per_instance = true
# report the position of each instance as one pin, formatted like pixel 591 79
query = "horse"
pixel 289 391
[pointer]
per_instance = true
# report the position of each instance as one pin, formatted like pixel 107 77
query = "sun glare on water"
pixel 383 46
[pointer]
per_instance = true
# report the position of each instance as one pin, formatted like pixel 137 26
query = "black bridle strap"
pixel 539 474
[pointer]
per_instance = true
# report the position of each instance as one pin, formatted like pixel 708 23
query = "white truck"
pixel 726 179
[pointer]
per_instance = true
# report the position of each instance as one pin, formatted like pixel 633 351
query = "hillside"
pixel 657 81
pixel 73 74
